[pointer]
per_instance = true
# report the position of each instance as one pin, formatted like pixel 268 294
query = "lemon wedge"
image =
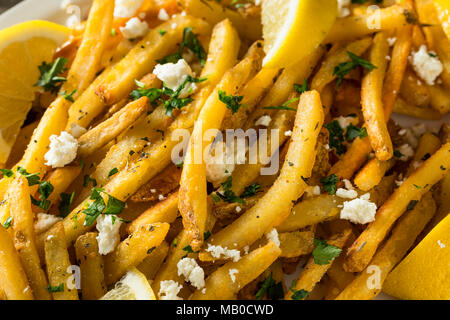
pixel 133 286
pixel 292 29
pixel 23 48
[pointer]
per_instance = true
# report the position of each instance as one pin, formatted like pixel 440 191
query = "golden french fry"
pixel 13 281
pixel 218 285
pixel 150 265
pixel 277 203
pixel 440 99
pixel 312 272
pixel 58 265
pixel 164 211
pixel 296 243
pixel 213 12
pixel 24 237
pixel 192 202
pixel 22 141
pixel 93 285
pixel 109 129
pixel 414 90
pixel 371 100
pixel 402 107
pixel 417 184
pixel 394 249
pixel 372 173
pixel 133 250
pixel 325 74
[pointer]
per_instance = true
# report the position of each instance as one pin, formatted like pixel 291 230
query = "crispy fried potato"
pixel 163 184
pixel 151 264
pixel 402 107
pixel 296 243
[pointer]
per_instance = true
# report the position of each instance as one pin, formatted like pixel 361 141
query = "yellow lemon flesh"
pixel 292 29
pixel 23 48
pixel 133 286
pixel 425 273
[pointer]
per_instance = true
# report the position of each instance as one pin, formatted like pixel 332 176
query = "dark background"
pixel 6 4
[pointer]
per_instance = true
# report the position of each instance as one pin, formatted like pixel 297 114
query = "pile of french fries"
pixel 275 225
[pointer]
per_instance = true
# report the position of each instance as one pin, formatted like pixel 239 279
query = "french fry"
pixel 164 211
pixel 428 144
pixel 109 129
pixel 91 265
pixel 58 264
pixel 312 211
pixel 312 272
pixel 440 99
pixel 413 188
pixel 163 184
pixel 372 173
pixel 443 15
pixel 402 107
pixel 354 27
pixel 218 285
pixel 213 12
pixel 443 201
pixel 24 237
pixel 394 249
pixel 371 100
pixel 325 74
pixel 296 243
pixel 192 202
pixel 277 203
pixel 150 265
pixel 414 90
pixel 114 84
pixel 23 139
pixel 13 280
pixel 133 250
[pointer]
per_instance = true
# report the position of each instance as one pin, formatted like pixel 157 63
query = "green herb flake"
pixel 227 194
pixel 59 288
pixel 355 132
pixel 342 69
pixel 336 136
pixel 324 253
pixel 50 79
pixel 251 190
pixel 329 183
pixel 69 96
pixel 273 289
pixel 7 173
pixel 112 172
pixel 7 222
pixel 232 102
pixel 64 205
pixel 33 178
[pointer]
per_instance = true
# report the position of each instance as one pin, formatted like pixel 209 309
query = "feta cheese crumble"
pixel 108 233
pixel 192 272
pixel 426 64
pixel 76 130
pixel 288 133
pixel 174 74
pixel 359 210
pixel 134 28
pixel 127 8
pixel 220 163
pixel 45 222
pixel 391 41
pixel 219 251
pixel 63 150
pixel 263 121
pixel 406 151
pixel 272 235
pixel 344 122
pixel 163 15
pixel 441 244
pixel 169 290
pixel 346 194
pixel 232 273
pixel 343 10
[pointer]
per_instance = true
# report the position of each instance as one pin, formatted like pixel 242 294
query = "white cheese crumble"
pixel 219 163
pixel 63 150
pixel 161 197
pixel 346 194
pixel 359 211
pixel 348 185
pixel 391 41
pixel 272 235
pixel 312 191
pixel 288 133
pixel 232 273
pixel 76 130
pixel 45 222
pixel 134 28
pixel 169 290
pixel 238 209
pixel 219 251
pixel 174 74
pixel 108 233
pixel 343 10
pixel 344 122
pixel 192 272
pixel 163 15
pixel 426 64
pixel 127 8
pixel 406 151
pixel 441 244
pixel 263 121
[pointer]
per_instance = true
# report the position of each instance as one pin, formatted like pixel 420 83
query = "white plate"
pixel 52 10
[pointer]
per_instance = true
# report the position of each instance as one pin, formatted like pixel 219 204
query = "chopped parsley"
pixel 69 96
pixel 112 172
pixel 273 289
pixel 162 32
pixel 59 288
pixel 113 206
pixel 324 253
pixel 329 183
pixel 206 235
pixel 7 173
pixel 251 190
pixel 228 195
pixel 411 205
pixel 113 32
pixel 50 79
pixel 87 179
pixel 153 94
pixel 284 106
pixel 45 189
pixel 64 205
pixel 354 132
pixel 336 136
pixel 188 249
pixel 191 42
pixel 299 294
pixel 33 178
pixel 342 69
pixel 398 154
pixel 232 102
pixel 7 222
pixel 301 88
